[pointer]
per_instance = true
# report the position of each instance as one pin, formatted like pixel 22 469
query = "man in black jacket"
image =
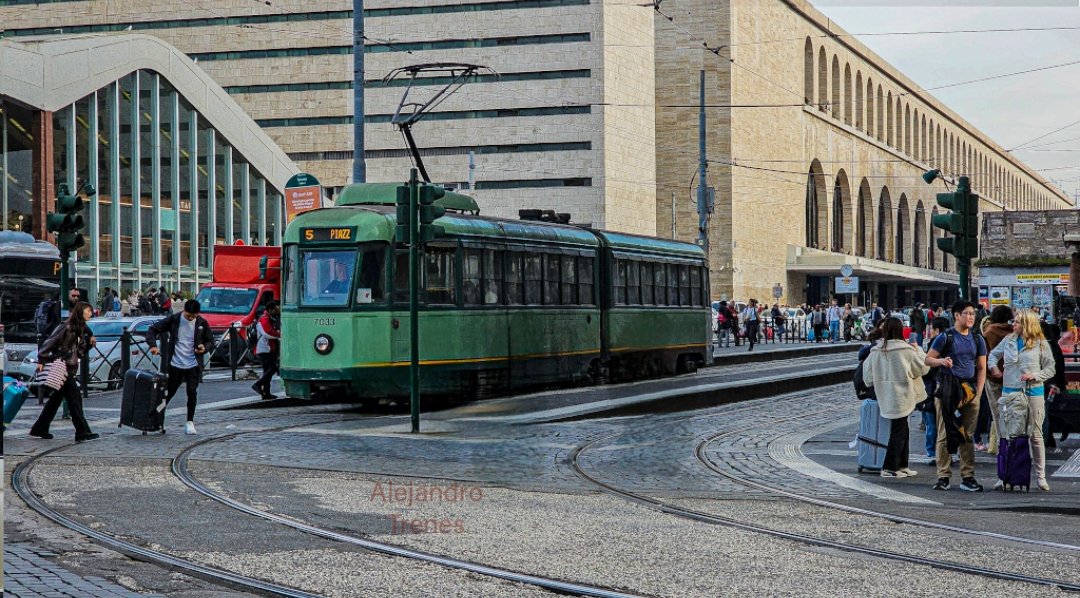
pixel 189 337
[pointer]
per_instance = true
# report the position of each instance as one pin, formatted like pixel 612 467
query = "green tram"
pixel 504 304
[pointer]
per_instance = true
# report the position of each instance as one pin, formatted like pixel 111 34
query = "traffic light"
pixel 66 222
pixel 962 222
pixel 429 212
pixel 404 215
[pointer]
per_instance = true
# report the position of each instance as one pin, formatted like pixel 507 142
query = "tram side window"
pixel 493 276
pixel 401 276
pixel 551 279
pixel 672 284
pixel 371 287
pixel 470 275
pixel 292 281
pixel 618 280
pixel 684 285
pixel 586 286
pixel 695 286
pixel 533 279
pixel 515 275
pixel 646 283
pixel 633 283
pixel 660 281
pixel 569 281
pixel 439 276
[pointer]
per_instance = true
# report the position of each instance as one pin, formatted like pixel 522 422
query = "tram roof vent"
pixel 385 194
pixel 535 215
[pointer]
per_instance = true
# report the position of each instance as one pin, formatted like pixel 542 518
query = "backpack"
pixel 116 304
pixel 862 391
pixel 44 318
pixel 253 336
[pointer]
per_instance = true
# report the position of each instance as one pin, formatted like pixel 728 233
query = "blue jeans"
pixel 834 330
pixel 930 421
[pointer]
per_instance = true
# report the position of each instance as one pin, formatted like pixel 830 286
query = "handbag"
pixel 53 375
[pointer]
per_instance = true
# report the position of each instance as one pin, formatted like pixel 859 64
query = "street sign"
pixel 302 193
pixel 777 291
pixel 847 285
pixel 846 270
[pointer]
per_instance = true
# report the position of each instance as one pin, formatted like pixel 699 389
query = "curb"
pixel 689 399
pixel 777 354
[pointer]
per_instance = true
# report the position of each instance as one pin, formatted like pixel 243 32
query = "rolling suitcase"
pixel 1014 463
pixel 143 404
pixel 15 394
pixel 873 437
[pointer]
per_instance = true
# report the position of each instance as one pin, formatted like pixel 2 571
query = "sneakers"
pixel 980 447
pixel 971 485
pixel 908 472
pixel 90 436
pixel 1043 485
pixel 888 473
pixel 942 484
pixel 999 485
pixel 41 435
pixel 189 428
pixel 931 459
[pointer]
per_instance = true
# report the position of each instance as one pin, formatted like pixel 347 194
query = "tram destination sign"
pixel 328 234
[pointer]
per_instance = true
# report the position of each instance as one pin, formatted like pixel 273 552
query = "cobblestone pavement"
pixel 31 572
pixel 325 465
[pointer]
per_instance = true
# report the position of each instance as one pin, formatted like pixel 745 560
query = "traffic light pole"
pixel 963 265
pixel 414 292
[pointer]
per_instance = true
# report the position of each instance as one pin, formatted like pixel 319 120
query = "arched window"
pixel 811 210
pixel 864 227
pixel 859 113
pixel 869 107
pixel 920 235
pixel 808 72
pixel 933 261
pixel 889 119
pixel 835 87
pixel 903 232
pixel 885 226
pixel 823 80
pixel 841 214
pixel 915 135
pixel 879 126
pixel 847 94
pixel 907 130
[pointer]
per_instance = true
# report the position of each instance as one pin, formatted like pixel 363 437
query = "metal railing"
pixel 786 331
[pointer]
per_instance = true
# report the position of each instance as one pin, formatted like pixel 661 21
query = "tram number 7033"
pixel 324 321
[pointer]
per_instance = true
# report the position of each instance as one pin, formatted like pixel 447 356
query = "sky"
pixel 1010 110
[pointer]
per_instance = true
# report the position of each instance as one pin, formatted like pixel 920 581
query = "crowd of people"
pixel 152 302
pixel 955 368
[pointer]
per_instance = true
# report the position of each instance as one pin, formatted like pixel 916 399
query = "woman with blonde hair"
pixel 1028 363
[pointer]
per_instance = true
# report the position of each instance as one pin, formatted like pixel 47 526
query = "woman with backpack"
pixel 1028 362
pixel 67 344
pixel 894 369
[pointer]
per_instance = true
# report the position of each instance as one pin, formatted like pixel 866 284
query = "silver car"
pixel 106 360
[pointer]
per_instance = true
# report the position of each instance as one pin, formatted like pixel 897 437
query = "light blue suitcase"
pixel 15 394
pixel 873 437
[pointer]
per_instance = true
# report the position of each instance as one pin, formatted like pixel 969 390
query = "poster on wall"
pixel 999 295
pixel 1021 297
pixel 1042 297
pixel 984 297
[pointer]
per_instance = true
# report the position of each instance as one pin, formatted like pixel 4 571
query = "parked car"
pixel 19 340
pixel 105 356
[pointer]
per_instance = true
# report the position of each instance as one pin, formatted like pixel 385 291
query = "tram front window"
pixel 327 277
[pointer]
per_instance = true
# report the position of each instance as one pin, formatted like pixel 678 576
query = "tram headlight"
pixel 324 344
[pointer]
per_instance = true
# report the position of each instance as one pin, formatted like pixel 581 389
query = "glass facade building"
pixel 169 185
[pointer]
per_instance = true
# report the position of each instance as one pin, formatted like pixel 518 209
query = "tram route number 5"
pixel 329 235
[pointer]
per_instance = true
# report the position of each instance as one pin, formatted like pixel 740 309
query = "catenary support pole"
pixel 703 184
pixel 414 292
pixel 359 174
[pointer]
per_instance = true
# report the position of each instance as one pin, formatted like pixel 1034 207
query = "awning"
pixel 816 262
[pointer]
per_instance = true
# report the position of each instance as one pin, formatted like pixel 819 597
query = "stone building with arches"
pixel 816 149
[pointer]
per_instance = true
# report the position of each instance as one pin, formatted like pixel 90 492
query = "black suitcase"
pixel 143 405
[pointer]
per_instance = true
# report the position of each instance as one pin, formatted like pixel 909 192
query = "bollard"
pixel 125 353
pixel 232 362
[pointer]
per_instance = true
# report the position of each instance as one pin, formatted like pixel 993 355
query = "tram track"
pixel 182 472
pixel 809 539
